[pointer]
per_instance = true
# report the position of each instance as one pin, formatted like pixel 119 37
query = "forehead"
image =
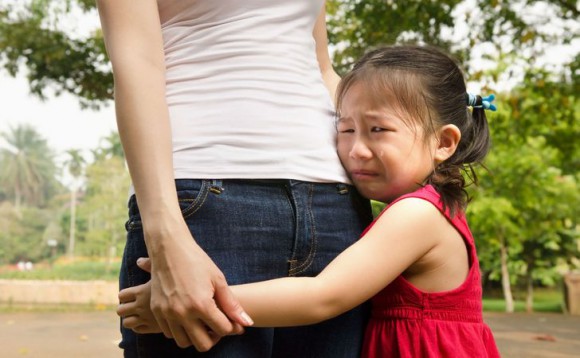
pixel 399 91
pixel 364 95
pixel 368 101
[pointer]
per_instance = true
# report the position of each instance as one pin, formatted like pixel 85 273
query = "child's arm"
pixel 402 235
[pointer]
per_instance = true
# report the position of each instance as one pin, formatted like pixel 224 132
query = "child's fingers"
pixel 128 294
pixel 141 325
pixel 214 337
pixel 127 309
pixel 137 320
pixel 132 322
pixel 145 329
pixel 237 330
pixel 144 264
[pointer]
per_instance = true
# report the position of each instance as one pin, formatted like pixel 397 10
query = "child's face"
pixel 384 156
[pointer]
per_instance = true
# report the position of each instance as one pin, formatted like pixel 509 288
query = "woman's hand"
pixel 190 298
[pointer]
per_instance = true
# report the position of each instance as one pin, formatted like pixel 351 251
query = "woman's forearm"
pixel 135 47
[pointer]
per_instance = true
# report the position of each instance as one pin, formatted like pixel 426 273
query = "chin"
pixel 374 195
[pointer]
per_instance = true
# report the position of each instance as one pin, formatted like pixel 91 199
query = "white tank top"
pixel 245 94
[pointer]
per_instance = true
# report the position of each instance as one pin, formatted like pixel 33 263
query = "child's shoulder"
pixel 413 213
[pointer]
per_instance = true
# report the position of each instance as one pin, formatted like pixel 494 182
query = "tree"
pixel 75 165
pixel 514 27
pixel 110 146
pixel 537 122
pixel 21 233
pixel 533 166
pixel 31 35
pixel 102 211
pixel 492 223
pixel 522 213
pixel 28 167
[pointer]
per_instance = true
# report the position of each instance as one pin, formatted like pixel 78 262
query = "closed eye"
pixel 378 129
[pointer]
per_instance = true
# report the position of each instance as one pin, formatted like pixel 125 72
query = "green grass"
pixel 545 300
pixel 81 270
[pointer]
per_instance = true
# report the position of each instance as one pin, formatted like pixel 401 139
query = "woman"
pixel 225 113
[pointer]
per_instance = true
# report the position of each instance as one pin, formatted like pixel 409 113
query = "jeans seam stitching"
pixel 313 248
pixel 194 207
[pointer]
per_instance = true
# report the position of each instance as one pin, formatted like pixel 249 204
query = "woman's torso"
pixel 245 94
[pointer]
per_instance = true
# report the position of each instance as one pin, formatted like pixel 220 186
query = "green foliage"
pixel 377 207
pixel 498 305
pixel 527 201
pixel 103 211
pixel 28 167
pixel 546 300
pixel 53 57
pixel 21 233
pixel 530 197
pixel 356 26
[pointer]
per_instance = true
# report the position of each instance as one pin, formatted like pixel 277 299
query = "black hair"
pixel 430 87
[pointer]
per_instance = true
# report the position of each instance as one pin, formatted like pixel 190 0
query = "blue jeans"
pixel 257 230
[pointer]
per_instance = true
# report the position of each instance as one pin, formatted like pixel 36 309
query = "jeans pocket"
pixel 191 195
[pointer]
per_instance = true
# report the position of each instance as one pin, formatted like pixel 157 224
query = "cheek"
pixel 343 148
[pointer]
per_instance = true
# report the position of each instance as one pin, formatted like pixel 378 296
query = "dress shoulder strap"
pixel 431 195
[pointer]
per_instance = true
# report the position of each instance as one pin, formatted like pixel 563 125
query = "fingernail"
pixel 247 320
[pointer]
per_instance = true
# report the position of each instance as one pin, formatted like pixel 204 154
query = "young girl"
pixel 405 134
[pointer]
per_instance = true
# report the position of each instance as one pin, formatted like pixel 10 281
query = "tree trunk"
pixel 17 201
pixel 72 229
pixel 530 291
pixel 505 278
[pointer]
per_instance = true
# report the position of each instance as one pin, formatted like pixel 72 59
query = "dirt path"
pixel 95 335
pixel 536 335
pixel 59 335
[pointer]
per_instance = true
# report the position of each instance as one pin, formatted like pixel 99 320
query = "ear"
pixel 448 139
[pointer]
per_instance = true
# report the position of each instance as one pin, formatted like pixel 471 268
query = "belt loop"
pixel 342 188
pixel 216 186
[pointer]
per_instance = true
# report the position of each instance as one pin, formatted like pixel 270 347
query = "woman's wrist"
pixel 161 227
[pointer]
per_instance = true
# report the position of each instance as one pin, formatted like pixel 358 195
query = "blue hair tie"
pixel 476 101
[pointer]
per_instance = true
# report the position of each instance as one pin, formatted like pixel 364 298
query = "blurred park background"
pixel 62 212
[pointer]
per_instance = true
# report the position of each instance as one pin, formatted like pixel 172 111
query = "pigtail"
pixel 448 181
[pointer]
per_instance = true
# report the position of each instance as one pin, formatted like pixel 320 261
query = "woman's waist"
pixel 228 163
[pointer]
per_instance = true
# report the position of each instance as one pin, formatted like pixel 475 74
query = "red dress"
pixel 406 322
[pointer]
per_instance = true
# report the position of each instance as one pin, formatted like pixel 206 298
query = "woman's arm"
pixel 329 75
pixel 394 243
pixel 187 287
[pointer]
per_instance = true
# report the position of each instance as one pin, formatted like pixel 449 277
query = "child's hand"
pixel 135 309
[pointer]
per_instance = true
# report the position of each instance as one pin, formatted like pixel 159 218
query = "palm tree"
pixel 28 170
pixel 75 164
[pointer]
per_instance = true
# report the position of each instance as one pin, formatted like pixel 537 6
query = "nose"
pixel 360 150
